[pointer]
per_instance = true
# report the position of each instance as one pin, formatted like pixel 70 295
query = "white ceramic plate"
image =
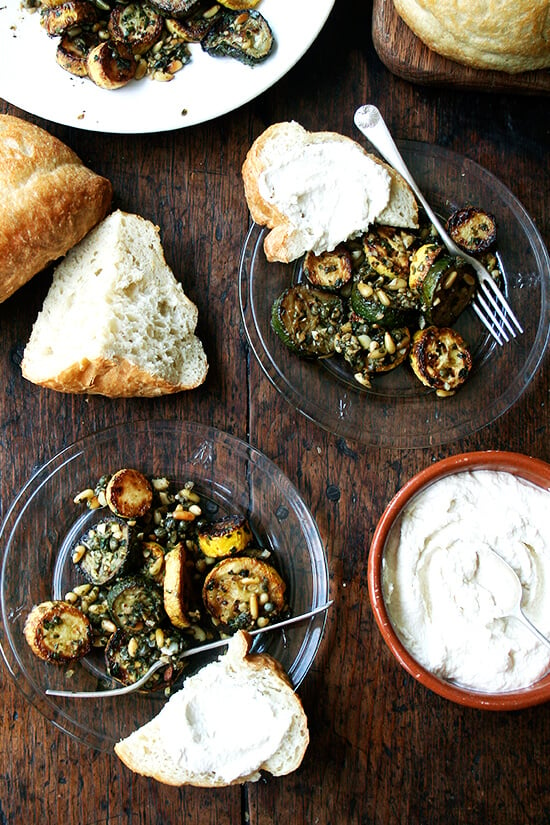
pixel 206 88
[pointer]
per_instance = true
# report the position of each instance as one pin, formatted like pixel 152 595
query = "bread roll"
pixel 115 321
pixel 317 189
pixel 50 200
pixel 231 720
pixel 504 35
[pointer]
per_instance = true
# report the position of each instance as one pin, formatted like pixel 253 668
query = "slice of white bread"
pixel 317 189
pixel 234 718
pixel 50 200
pixel 115 321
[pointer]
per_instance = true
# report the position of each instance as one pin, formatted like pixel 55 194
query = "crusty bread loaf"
pixel 503 35
pixel 317 189
pixel 115 321
pixel 50 200
pixel 234 718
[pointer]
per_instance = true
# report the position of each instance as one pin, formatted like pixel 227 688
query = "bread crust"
pixel 115 378
pixel 238 659
pixel 50 201
pixel 504 35
pixel 278 244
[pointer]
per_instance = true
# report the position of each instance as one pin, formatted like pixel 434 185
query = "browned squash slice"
pixel 110 67
pixel 72 52
pixel 129 493
pixel 440 359
pixel 225 537
pixel 244 593
pixel 58 632
pixel 422 260
pixel 177 587
pixel 329 270
pixel 58 19
pixel 137 26
pixel 472 229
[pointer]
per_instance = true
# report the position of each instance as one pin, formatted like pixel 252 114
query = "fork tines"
pixel 494 312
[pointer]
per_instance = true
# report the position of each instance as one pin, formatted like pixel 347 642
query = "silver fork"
pixel 165 660
pixel 489 303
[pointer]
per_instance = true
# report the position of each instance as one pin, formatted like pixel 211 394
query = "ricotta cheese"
pixel 446 593
pixel 329 191
pixel 225 728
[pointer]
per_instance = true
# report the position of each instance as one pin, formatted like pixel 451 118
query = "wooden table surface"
pixel 384 751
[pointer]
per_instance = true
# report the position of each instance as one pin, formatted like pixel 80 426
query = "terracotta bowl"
pixel 530 469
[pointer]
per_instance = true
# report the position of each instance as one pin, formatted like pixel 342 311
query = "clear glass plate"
pixel 35 540
pixel 398 410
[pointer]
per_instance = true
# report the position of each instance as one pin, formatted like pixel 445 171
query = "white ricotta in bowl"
pixel 447 596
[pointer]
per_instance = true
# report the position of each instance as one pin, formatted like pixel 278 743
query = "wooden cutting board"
pixel 407 57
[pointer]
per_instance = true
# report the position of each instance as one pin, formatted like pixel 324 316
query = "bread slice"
pixel 234 718
pixel 116 321
pixel 317 189
pixel 49 202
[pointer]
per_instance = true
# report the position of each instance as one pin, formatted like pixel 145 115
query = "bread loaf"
pixel 231 720
pixel 50 200
pixel 116 321
pixel 504 35
pixel 317 189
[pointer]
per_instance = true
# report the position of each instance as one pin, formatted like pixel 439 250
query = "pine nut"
pixel 108 626
pixel 450 279
pixel 78 554
pixel 133 647
pixel 254 609
pixel 365 289
pixel 389 343
pixel 382 297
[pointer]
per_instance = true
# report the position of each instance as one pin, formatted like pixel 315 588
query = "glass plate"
pixel 206 88
pixel 35 538
pixel 398 411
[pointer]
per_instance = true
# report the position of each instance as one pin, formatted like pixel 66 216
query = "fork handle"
pixel 370 122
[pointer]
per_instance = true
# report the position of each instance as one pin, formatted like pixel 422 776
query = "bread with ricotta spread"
pixel 49 202
pixel 233 719
pixel 502 35
pixel 115 321
pixel 314 190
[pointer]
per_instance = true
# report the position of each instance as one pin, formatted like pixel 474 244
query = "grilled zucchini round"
pixel 329 270
pixel 129 494
pixel 59 19
pixel 58 632
pixel 381 306
pixel 472 229
pixel 129 656
pixel 137 26
pixel 447 290
pixel 72 52
pixel 306 320
pixel 135 604
pixel 244 35
pixel 105 551
pixel 110 66
pixel 440 358
pixel 242 593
